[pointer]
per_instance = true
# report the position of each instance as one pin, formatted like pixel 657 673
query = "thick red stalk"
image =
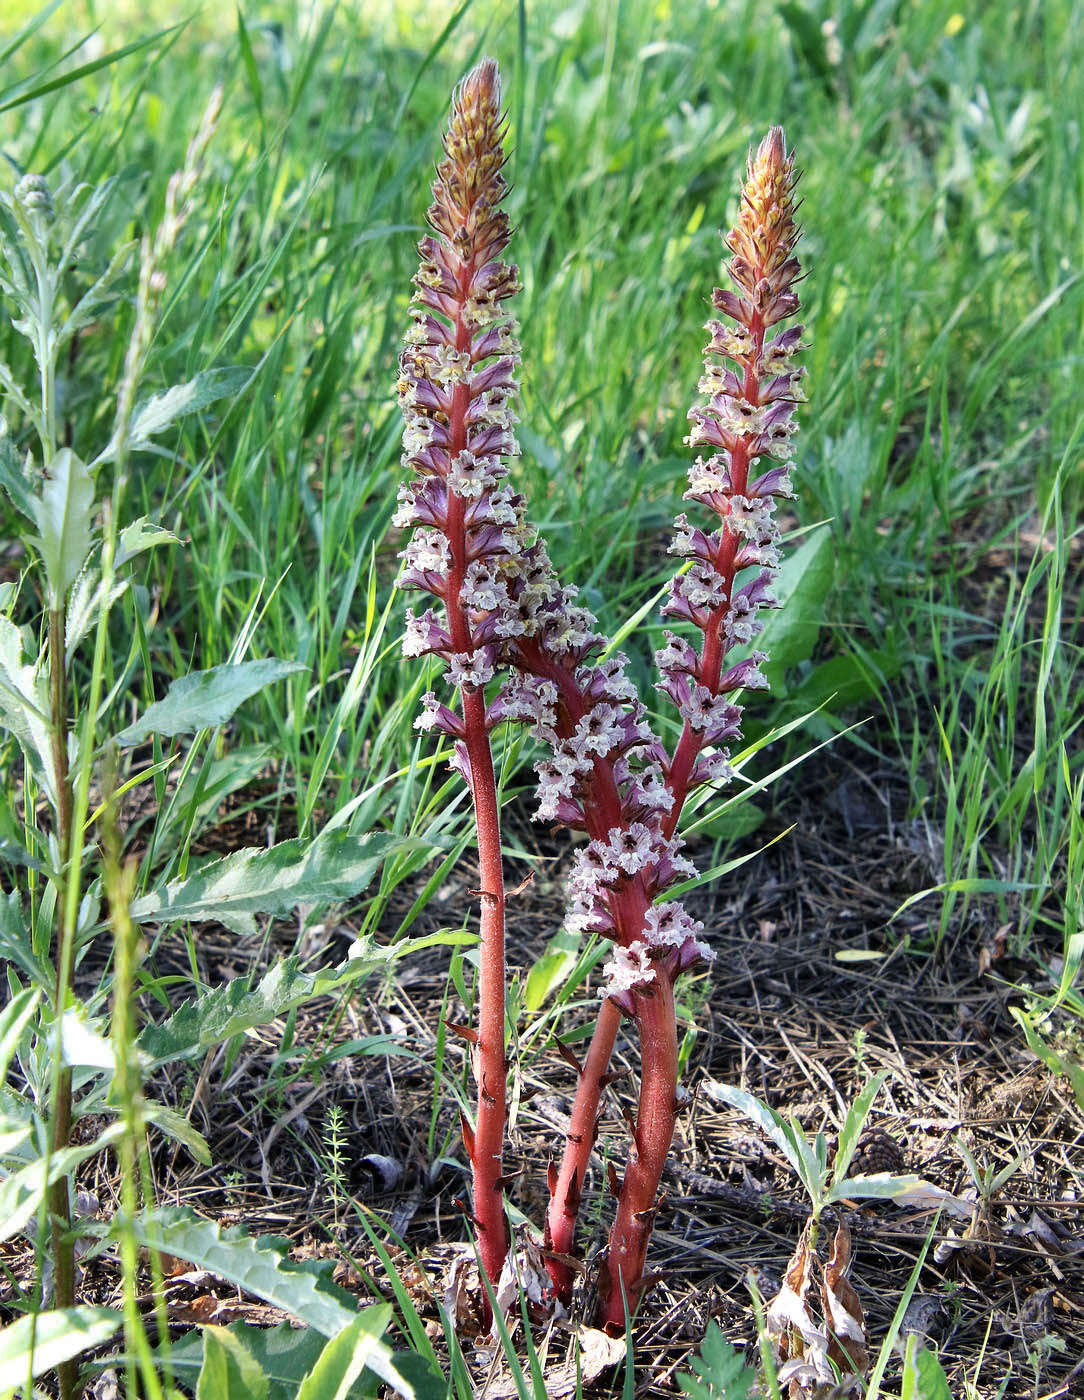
pixel 622 1279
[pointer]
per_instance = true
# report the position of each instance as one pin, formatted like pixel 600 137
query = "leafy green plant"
pixel 64 714
pixel 719 1372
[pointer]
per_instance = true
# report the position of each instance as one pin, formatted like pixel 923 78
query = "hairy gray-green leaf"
pixel 13 1021
pixel 780 1132
pixel 236 1006
pixel 257 1265
pixel 336 865
pixel 16 946
pixel 904 1190
pixel 203 699
pixel 63 514
pixel 83 603
pixel 177 1127
pixel 141 534
pixel 155 414
pixel 853 1125
pixel 38 1343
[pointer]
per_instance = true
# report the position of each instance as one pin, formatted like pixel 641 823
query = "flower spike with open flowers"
pixel 504 613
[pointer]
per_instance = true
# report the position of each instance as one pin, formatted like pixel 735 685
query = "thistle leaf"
pixel 273 880
pixel 236 1006
pixel 204 699
pixel 160 411
pixel 259 1266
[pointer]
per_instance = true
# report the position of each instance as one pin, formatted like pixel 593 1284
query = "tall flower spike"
pixel 456 386
pixel 749 417
pixel 753 388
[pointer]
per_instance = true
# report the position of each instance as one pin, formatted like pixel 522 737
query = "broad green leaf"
pixel 551 969
pixel 854 1123
pixel 765 1117
pixel 923 1375
pixel 237 1006
pixel 63 514
pixel 204 699
pixel 229 1371
pixel 157 413
pixel 802 584
pixel 34 1345
pixel 259 1266
pixel 21 1193
pixel 357 1347
pixel 275 880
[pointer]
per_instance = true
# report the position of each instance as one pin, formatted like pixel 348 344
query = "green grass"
pixel 943 206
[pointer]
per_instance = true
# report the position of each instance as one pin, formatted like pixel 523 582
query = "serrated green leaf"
pixel 36 1344
pixel 237 1006
pixel 63 514
pixel 160 411
pixel 257 1265
pixel 180 1130
pixel 204 699
pixel 229 1371
pixel 721 1372
pixel 141 534
pixel 336 865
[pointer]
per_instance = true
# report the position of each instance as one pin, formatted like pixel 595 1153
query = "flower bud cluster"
pixel 749 417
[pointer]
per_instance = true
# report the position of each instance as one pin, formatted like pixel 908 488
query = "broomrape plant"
pixel 518 646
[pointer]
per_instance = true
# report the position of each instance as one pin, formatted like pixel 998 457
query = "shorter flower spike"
pixel 753 389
